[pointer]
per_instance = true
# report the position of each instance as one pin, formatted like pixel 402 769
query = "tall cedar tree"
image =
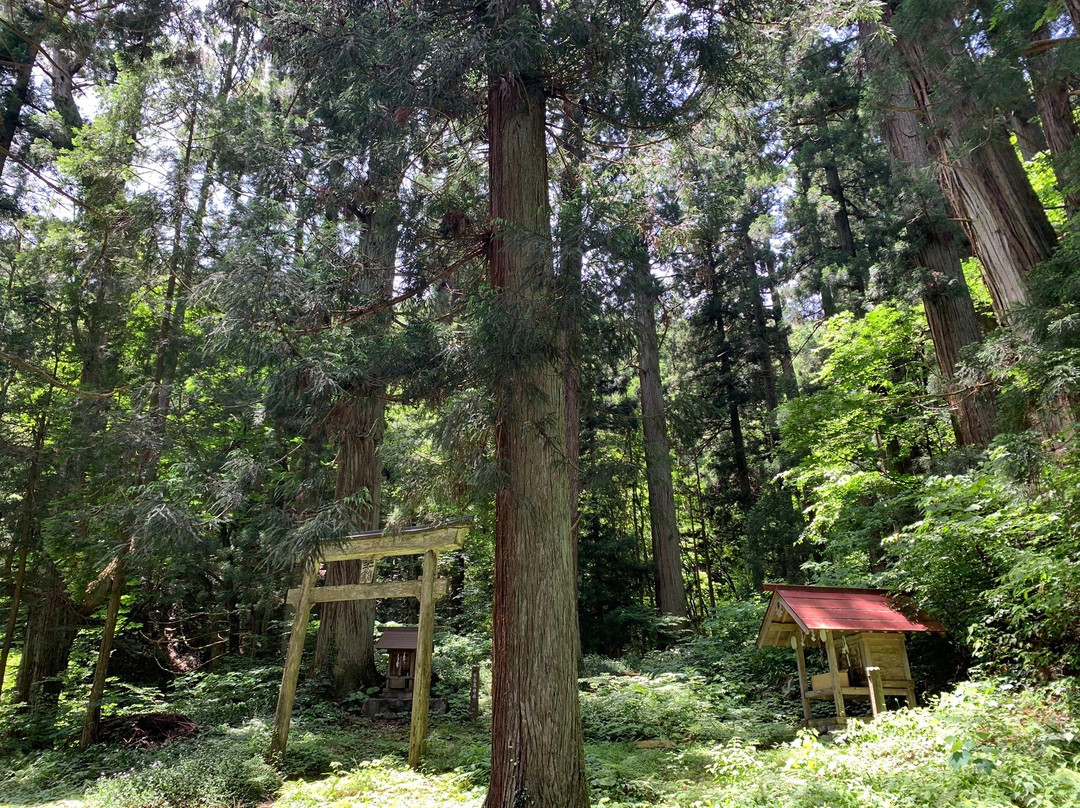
pixel 537 752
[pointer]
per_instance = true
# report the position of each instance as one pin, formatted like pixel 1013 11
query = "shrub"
pixel 218 772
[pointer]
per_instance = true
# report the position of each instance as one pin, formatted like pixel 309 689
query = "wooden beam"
pixel 391 589
pixel 834 669
pixel 412 542
pixel 287 692
pixel 804 684
pixel 877 690
pixel 425 635
pixel 911 701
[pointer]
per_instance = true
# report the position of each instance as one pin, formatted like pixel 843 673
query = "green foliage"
pixel 635 708
pixel 861 437
pixel 995 556
pixel 223 772
pixel 986 745
pixel 452 665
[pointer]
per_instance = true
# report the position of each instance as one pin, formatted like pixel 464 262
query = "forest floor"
pixel 652 739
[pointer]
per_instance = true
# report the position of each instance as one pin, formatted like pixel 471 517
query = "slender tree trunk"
pixel 762 353
pixel 789 382
pixel 97 690
pixel 727 377
pixel 1050 86
pixel 11 113
pixel 670 588
pixel 704 535
pixel 841 220
pixel 27 520
pixel 537 755
pixel 571 252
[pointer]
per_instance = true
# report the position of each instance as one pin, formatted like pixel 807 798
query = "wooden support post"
pixel 911 701
pixel 804 683
pixel 834 669
pixel 287 694
pixel 422 683
pixel 877 689
pixel 474 693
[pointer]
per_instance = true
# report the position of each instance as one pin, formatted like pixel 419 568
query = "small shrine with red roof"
pixel 862 632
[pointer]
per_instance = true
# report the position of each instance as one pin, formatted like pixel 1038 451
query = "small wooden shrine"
pixel 862 632
pixel 400 644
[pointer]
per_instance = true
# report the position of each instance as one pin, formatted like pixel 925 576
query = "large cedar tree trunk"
pixel 359 422
pixel 670 588
pixel 537 755
pixel 347 628
pixel 980 174
pixel 53 622
pixel 950 313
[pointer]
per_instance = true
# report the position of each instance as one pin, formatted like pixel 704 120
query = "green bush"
pixel 635 708
pixel 452 668
pixel 218 772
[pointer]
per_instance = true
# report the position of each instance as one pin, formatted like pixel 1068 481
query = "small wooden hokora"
pixel 399 642
pixel 862 632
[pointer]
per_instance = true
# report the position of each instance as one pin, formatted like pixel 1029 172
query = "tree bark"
pixel 12 109
pixel 348 627
pixel 571 252
pixel 716 314
pixel 667 556
pixel 92 720
pixel 537 755
pixel 984 184
pixel 53 621
pixel 359 423
pixel 950 313
pixel 1050 87
pixel 26 530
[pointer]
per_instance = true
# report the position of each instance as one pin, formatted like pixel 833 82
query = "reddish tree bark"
pixel 537 756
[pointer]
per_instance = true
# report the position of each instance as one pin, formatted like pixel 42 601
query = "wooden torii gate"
pixel 427 541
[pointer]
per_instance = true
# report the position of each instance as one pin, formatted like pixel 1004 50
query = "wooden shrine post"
pixel 804 683
pixel 877 690
pixel 370 546
pixel 287 692
pixel 834 669
pixel 424 640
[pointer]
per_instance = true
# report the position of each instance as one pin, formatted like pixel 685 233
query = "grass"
pixel 987 744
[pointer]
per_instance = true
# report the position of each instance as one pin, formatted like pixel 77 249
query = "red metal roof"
pixel 814 608
pixel 397 638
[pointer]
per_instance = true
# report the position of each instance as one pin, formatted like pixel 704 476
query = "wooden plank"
pixel 390 589
pixel 287 693
pixel 425 635
pixel 834 669
pixel 911 701
pixel 800 659
pixel 415 542
pixel 877 690
pixel 857 692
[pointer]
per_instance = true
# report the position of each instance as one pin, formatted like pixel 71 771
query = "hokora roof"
pixel 398 638
pixel 817 608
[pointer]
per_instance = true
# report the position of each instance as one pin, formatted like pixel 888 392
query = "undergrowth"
pixel 701 725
